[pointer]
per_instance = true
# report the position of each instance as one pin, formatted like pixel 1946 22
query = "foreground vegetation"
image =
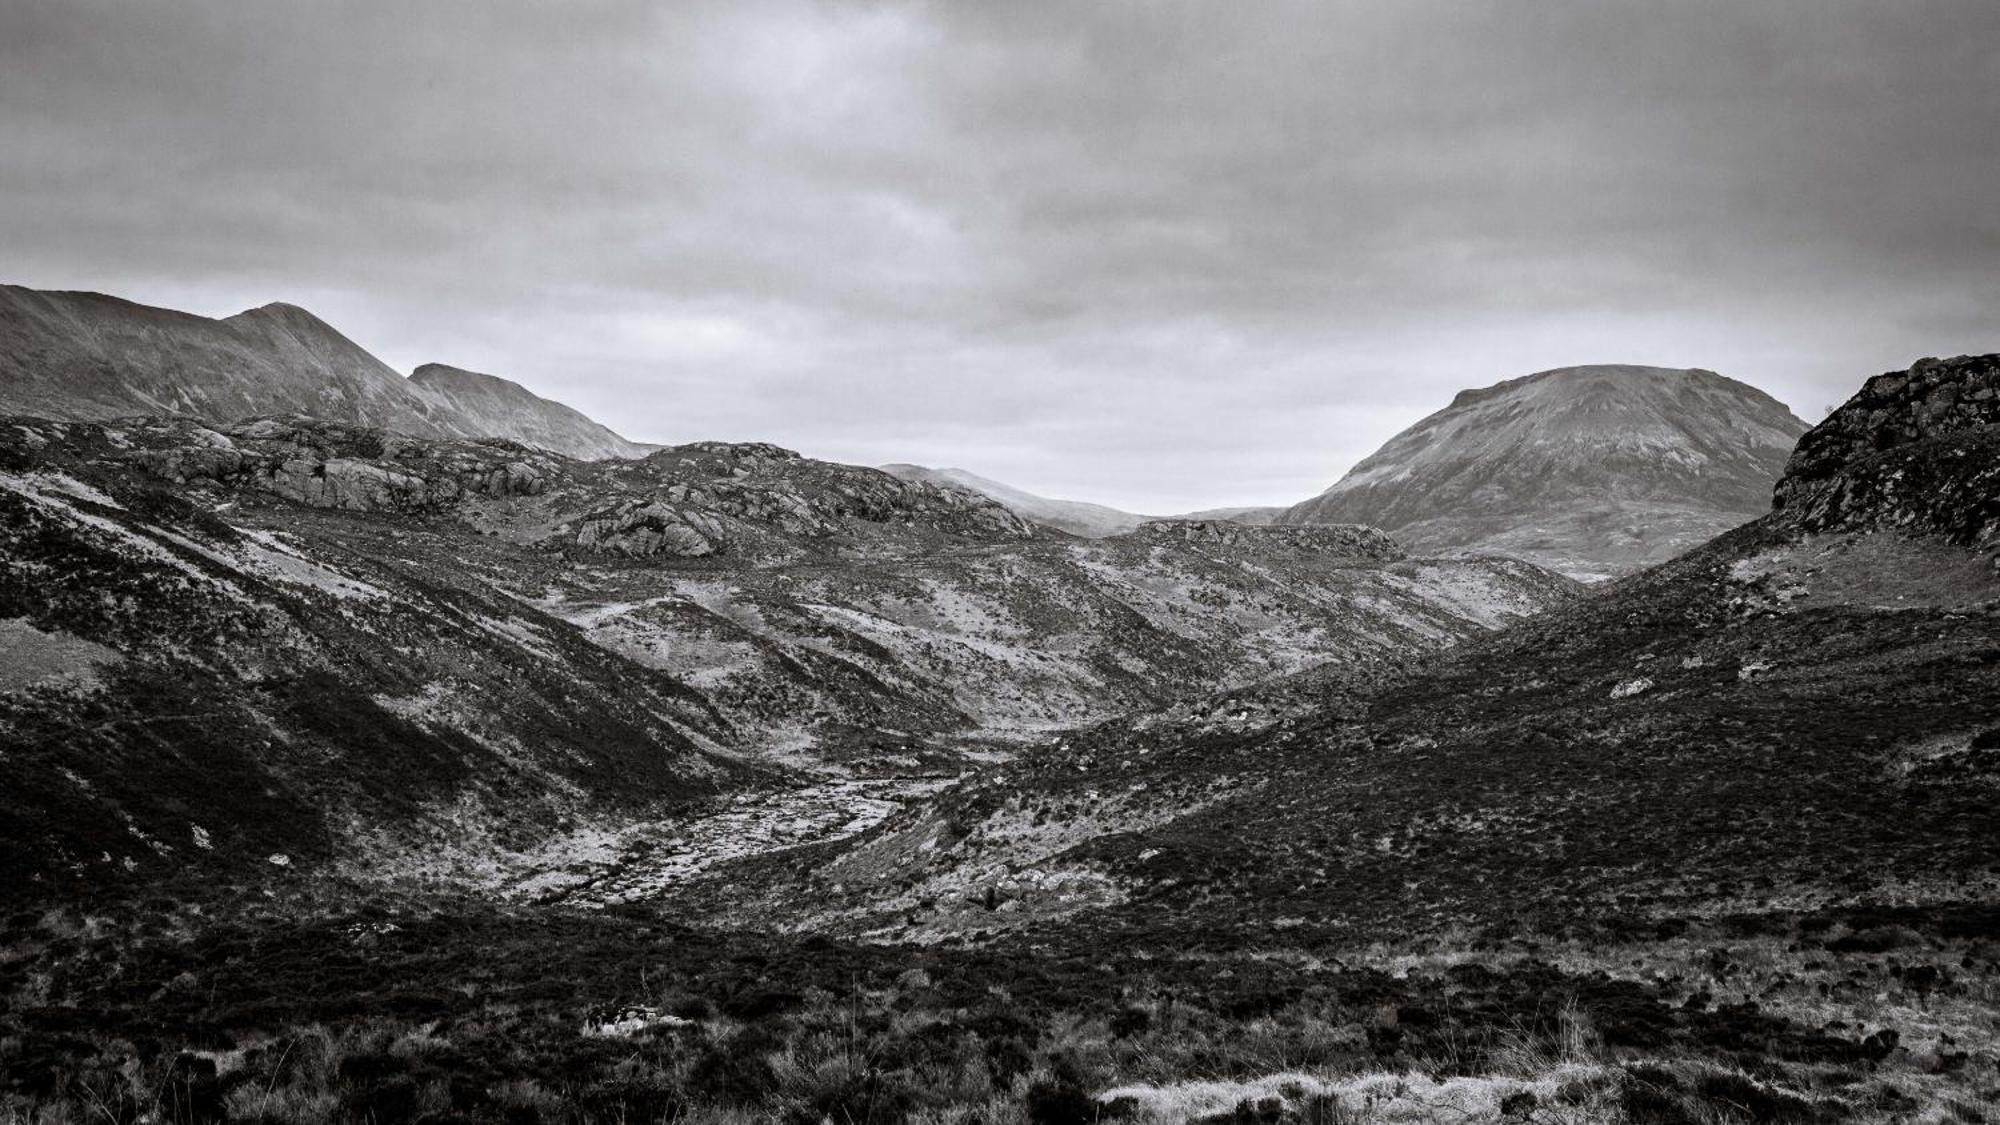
pixel 181 1014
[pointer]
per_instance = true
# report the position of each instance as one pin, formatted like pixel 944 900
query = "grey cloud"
pixel 1160 255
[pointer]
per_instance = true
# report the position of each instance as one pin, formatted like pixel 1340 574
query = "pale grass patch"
pixel 1382 1097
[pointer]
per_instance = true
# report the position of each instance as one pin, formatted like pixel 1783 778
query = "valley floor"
pixel 642 860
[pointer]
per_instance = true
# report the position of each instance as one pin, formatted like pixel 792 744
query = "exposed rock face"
pixel 1592 470
pixel 327 465
pixel 417 641
pixel 695 494
pixel 643 529
pixel 489 404
pixel 1915 450
pixel 92 357
pixel 1342 540
pixel 684 501
pixel 1933 398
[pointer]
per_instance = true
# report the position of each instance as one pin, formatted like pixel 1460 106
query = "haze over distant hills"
pixel 1596 470
pixel 1078 517
pixel 91 356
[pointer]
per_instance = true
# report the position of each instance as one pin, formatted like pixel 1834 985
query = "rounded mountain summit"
pixel 1596 471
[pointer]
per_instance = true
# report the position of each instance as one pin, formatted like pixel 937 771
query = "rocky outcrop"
pixel 330 465
pixel 684 501
pixel 1916 451
pixel 644 529
pixel 1343 540
pixel 1933 398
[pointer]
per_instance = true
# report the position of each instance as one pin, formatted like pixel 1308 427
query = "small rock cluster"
pixel 1351 540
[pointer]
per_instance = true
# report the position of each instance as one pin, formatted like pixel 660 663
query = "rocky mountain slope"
pixel 1592 470
pixel 1712 843
pixel 1803 713
pixel 488 405
pixel 334 642
pixel 86 356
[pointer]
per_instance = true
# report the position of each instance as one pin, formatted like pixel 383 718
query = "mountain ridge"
pixel 588 645
pixel 90 356
pixel 1697 738
pixel 508 409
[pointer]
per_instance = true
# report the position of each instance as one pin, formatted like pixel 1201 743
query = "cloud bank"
pixel 1159 255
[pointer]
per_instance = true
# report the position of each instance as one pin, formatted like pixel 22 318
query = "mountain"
pixel 1595 471
pixel 1802 713
pixel 1078 517
pixel 490 405
pixel 1710 843
pixel 348 645
pixel 87 356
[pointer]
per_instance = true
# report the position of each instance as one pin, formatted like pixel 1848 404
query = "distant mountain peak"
pixel 87 356
pixel 1594 469
pixel 503 407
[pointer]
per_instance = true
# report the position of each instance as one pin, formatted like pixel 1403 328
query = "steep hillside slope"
pixel 1592 470
pixel 492 406
pixel 1802 713
pixel 86 356
pixel 190 689
pixel 350 640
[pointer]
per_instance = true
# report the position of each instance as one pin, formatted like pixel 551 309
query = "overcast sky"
pixel 1159 255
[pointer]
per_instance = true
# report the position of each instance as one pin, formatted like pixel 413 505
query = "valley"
pixel 831 562
pixel 487 782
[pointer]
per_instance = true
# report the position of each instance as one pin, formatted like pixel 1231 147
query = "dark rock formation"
pixel 1916 450
pixel 1344 540
pixel 1934 397
pixel 329 465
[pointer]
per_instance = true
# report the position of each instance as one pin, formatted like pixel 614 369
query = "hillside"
pixel 1077 517
pixel 491 406
pixel 554 641
pixel 89 357
pixel 1711 843
pixel 1802 711
pixel 1595 471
